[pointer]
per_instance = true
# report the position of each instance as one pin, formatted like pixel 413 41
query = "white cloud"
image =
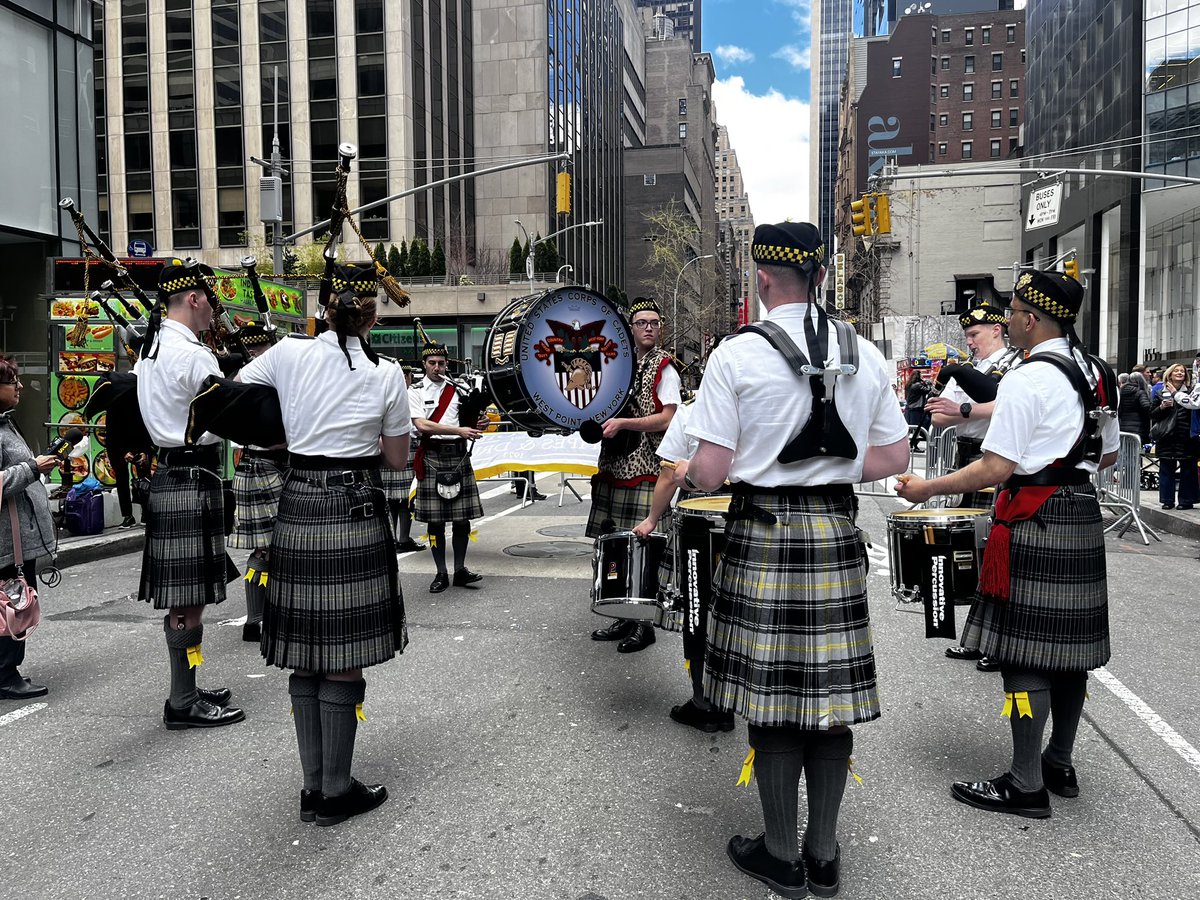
pixel 801 13
pixel 770 133
pixel 732 54
pixel 796 57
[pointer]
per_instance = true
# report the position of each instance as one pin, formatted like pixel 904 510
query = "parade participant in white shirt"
pixel 1042 605
pixel 184 564
pixel 398 487
pixel 789 639
pixel 446 490
pixel 334 605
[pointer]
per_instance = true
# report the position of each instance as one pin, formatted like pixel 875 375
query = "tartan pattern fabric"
pixel 397 485
pixel 1056 619
pixel 183 560
pixel 789 632
pixel 430 507
pixel 626 506
pixel 257 485
pixel 333 596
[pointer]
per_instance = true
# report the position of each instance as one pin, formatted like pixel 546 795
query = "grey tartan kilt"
pixel 183 559
pixel 430 506
pixel 257 485
pixel 789 633
pixel 333 595
pixel 1056 617
pixel 396 485
pixel 625 506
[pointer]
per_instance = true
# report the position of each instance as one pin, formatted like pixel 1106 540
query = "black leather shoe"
pixel 1001 795
pixel 464 576
pixel 409 546
pixel 252 632
pixel 987 664
pixel 200 714
pixel 750 855
pixel 537 495
pixel 614 630
pixel 1060 780
pixel 216 696
pixel 963 653
pixel 824 876
pixel 706 720
pixel 641 638
pixel 309 800
pixel 22 689
pixel 440 582
pixel 359 799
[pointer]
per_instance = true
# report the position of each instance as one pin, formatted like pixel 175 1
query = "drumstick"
pixel 668 465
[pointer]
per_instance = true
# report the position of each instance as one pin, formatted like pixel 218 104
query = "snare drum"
pixel 935 556
pixel 625 577
pixel 559 358
pixel 699 527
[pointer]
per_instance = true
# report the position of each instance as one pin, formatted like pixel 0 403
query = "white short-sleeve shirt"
pixel 329 409
pixel 751 402
pixel 669 391
pixel 676 445
pixel 423 403
pixel 167 384
pixel 972 428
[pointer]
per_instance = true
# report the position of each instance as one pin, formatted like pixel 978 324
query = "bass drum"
pixel 559 358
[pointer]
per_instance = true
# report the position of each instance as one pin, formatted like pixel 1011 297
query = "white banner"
pixel 514 451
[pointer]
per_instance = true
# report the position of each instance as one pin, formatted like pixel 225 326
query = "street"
pixel 524 760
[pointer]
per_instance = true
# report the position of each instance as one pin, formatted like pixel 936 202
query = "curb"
pixel 100 546
pixel 1181 525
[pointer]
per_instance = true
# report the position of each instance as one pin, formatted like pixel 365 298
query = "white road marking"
pixel 1153 720
pixel 21 713
pixel 224 622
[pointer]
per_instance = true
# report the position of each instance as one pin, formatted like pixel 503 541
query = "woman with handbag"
pixel 1174 445
pixel 34 536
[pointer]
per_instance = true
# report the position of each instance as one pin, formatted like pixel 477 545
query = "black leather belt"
pixel 970 444
pixel 458 444
pixel 279 457
pixel 209 456
pixel 1059 477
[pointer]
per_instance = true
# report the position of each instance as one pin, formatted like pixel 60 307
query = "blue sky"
pixel 760 52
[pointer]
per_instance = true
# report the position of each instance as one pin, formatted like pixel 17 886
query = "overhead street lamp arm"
pixel 533 243
pixel 675 301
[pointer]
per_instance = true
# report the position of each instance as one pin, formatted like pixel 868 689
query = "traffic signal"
pixel 860 215
pixel 563 192
pixel 1071 267
pixel 883 214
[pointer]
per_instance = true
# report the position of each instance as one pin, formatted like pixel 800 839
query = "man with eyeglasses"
pixel 624 487
pixel 1042 606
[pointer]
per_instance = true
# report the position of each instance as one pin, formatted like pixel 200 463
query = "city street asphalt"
pixel 526 761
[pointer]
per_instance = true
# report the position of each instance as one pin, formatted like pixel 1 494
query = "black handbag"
pixel 1165 427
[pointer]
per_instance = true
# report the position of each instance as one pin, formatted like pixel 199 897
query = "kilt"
pixel 430 507
pixel 257 484
pixel 1056 618
pixel 626 506
pixel 183 559
pixel 333 598
pixel 789 633
pixel 397 485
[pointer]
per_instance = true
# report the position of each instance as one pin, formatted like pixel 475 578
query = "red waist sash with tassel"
pixel 419 458
pixel 995 579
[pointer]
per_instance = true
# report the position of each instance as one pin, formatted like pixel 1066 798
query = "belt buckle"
pixel 342 479
pixel 367 509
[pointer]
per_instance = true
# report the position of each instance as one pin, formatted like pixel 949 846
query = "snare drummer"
pixel 789 640
pixel 1042 606
pixel 623 488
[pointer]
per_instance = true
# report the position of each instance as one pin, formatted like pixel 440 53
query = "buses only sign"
pixel 1043 207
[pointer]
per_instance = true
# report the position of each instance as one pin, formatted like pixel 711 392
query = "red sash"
pixel 443 405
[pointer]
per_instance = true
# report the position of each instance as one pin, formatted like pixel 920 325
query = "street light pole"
pixel 675 303
pixel 533 244
pixel 560 271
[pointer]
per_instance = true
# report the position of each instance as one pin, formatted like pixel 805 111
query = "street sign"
pixel 839 280
pixel 139 249
pixel 1043 207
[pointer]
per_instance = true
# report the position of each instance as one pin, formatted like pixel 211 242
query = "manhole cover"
pixel 549 550
pixel 563 530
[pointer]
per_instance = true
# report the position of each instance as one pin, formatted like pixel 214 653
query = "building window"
pixel 931 125
pixel 945 64
pixel 682 130
pixel 944 119
pixel 931 152
pixel 683 107
pixel 944 91
pixel 934 32
pixel 995 148
pixel 985 36
pixel 1014 88
pixel 896 66
pixel 969 35
pixel 998 62
pixel 933 64
pixel 1012 117
pixel 969 91
pixel 968 64
pixel 997 90
pixel 650 180
pixel 1012 145
pixel 966 150
pixel 941 149
pixel 996 118
pixel 945 35
pixel 968 121
pixel 1011 34
pixel 1022 56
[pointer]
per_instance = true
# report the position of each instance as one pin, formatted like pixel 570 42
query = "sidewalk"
pixel 113 541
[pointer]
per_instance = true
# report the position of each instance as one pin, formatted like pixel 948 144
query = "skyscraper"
pixel 831 33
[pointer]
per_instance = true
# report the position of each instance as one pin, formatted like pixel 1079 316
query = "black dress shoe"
pixel 537 495
pixel 750 855
pixel 128 522
pixel 440 582
pixel 309 800
pixel 614 630
pixel 216 696
pixel 252 632
pixel 1001 795
pixel 200 714
pixel 640 638
pixel 963 653
pixel 824 876
pixel 464 576
pixel 987 664
pixel 22 689
pixel 1060 780
pixel 359 799
pixel 706 720
pixel 409 546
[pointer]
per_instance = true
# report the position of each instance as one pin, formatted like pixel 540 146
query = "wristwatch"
pixel 965 409
pixel 688 483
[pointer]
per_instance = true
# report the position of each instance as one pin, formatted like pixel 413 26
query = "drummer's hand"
pixel 644 528
pixel 913 488
pixel 681 468
pixel 612 427
pixel 943 406
pixel 470 434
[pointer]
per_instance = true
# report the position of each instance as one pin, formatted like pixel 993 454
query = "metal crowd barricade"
pixel 1119 488
pixel 886 487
